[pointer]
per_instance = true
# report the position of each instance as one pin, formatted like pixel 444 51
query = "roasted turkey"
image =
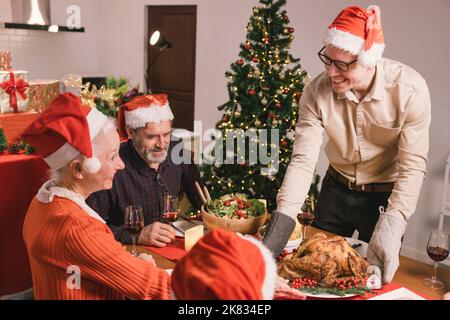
pixel 324 260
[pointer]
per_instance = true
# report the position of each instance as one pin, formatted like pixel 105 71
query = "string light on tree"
pixel 262 86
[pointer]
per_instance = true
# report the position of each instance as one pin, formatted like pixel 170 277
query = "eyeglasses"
pixel 343 66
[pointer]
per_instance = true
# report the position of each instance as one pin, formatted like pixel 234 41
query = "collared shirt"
pixel 382 138
pixel 137 184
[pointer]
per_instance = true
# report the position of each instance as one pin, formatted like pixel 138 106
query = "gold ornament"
pixel 264 101
pixel 237 114
pixel 257 123
pixel 257 73
pixel 282 76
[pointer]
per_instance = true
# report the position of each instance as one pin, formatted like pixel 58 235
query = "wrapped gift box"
pixel 14 87
pixel 72 83
pixel 5 60
pixel 42 93
pixel 14 124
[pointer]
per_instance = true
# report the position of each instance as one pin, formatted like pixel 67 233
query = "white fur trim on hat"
pixel 140 117
pixel 91 165
pixel 270 279
pixel 371 57
pixel 344 40
pixel 67 153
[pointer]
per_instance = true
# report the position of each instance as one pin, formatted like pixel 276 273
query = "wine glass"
pixel 134 223
pixel 437 249
pixel 306 216
pixel 171 211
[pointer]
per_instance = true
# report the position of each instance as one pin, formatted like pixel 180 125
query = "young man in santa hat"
pixel 224 265
pixel 72 252
pixel 150 173
pixel 376 113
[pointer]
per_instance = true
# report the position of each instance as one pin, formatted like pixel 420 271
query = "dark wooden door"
pixel 173 72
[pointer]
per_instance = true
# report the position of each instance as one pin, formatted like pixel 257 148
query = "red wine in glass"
pixel 134 228
pixel 437 254
pixel 438 250
pixel 134 223
pixel 305 218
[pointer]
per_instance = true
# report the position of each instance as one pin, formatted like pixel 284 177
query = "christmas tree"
pixel 264 87
pixel 3 143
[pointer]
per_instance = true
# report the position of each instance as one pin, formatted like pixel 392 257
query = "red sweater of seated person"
pixel 60 234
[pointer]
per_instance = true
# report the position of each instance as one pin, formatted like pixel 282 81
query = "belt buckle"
pixel 350 184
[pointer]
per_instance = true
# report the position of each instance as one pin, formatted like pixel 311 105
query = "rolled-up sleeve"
pixel 412 153
pixel 308 140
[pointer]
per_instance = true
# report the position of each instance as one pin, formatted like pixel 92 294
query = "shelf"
pixel 10 25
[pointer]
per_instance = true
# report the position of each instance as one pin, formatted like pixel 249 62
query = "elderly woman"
pixel 72 252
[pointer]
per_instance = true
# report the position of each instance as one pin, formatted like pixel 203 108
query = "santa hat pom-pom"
pixel 92 165
pixel 367 59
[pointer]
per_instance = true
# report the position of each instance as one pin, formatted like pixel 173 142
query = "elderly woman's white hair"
pixel 91 165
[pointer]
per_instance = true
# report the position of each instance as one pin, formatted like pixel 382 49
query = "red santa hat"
pixel 358 31
pixel 143 109
pixel 226 266
pixel 64 130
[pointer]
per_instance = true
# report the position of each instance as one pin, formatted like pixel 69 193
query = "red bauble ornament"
pixel 240 62
pixel 248 46
pixel 225 118
pixel 266 40
pixel 255 59
pixel 286 18
pixel 272 115
pixel 252 92
pixel 278 105
pixel 291 30
pixel 284 143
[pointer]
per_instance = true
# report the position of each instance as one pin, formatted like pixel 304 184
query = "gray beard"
pixel 153 159
pixel 147 154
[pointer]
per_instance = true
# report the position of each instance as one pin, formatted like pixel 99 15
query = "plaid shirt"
pixel 138 184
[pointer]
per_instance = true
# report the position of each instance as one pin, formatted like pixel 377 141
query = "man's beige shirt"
pixel 383 138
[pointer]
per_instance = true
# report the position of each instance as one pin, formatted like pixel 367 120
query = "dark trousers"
pixel 342 211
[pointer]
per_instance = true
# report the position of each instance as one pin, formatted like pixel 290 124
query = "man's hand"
pixel 148 258
pixel 384 246
pixel 284 291
pixel 157 234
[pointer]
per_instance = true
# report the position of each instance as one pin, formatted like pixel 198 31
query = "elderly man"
pixel 150 173
pixel 72 252
pixel 376 113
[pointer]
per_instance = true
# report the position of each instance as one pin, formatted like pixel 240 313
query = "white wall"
pixel 416 33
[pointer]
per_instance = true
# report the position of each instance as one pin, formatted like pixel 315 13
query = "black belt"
pixel 371 187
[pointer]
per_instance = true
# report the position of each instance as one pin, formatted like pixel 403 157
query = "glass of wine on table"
pixel 437 249
pixel 171 211
pixel 306 216
pixel 134 223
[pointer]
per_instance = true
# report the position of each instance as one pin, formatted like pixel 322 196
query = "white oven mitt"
pixel 385 243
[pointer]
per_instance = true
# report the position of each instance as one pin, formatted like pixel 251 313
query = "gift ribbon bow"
pixel 12 88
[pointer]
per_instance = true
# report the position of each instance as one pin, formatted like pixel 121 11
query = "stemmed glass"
pixel 437 249
pixel 171 211
pixel 306 216
pixel 134 223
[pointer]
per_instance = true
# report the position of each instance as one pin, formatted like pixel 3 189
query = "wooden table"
pixel 410 273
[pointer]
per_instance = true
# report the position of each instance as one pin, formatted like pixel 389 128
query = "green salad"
pixel 235 206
